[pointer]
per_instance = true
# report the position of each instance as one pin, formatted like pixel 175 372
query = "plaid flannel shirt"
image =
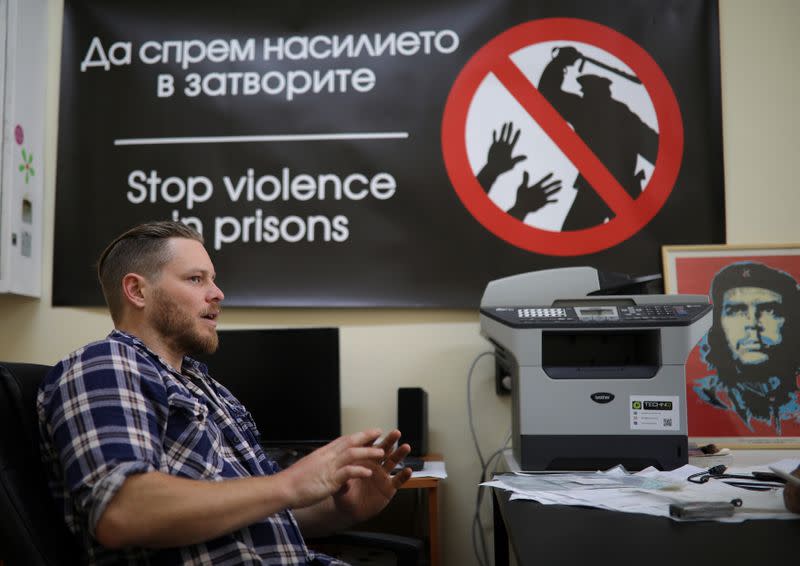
pixel 113 409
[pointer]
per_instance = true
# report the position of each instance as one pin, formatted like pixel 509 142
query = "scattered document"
pixel 649 491
pixel 431 469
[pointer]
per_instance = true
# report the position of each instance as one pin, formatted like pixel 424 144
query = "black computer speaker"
pixel 412 418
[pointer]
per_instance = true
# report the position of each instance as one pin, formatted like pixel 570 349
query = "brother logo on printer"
pixel 602 397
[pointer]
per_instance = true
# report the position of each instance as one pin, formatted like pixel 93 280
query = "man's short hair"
pixel 143 250
pixel 754 274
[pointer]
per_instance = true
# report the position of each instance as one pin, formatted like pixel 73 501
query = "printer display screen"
pixel 597 313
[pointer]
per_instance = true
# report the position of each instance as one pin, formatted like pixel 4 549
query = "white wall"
pixel 386 349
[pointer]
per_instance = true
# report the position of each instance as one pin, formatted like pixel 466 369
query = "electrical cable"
pixel 469 404
pixel 478 536
pixel 477 533
pixel 477 519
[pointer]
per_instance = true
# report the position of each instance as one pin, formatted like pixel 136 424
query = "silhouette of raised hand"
pixel 499 158
pixel 532 198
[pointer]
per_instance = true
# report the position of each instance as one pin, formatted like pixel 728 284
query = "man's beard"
pixel 178 328
pixel 761 371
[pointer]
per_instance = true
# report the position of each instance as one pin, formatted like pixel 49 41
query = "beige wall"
pixel 386 349
pixel 760 119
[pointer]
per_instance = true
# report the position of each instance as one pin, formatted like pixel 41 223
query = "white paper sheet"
pixel 431 469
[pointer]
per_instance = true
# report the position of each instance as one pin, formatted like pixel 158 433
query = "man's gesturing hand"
pixel 326 470
pixel 361 498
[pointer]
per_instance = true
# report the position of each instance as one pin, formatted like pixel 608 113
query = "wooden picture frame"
pixel 742 383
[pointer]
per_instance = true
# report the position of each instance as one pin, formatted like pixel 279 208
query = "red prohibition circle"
pixel 627 222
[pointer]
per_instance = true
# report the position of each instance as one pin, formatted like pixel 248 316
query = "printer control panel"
pixel 599 315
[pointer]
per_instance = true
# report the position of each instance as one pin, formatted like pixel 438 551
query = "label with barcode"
pixel 651 412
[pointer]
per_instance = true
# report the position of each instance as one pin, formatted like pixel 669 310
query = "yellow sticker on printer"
pixel 655 412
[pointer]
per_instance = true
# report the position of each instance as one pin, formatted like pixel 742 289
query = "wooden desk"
pixel 431 485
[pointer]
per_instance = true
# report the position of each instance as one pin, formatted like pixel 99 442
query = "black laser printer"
pixel 597 378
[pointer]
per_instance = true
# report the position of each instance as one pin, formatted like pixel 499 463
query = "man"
pixel 153 461
pixel 752 344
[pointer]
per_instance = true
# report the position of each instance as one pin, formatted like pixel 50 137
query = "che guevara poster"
pixel 743 377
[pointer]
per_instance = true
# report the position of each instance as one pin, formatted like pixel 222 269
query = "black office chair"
pixel 33 532
pixel 364 548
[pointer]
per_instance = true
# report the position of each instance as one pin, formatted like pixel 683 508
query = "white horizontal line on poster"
pixel 271 138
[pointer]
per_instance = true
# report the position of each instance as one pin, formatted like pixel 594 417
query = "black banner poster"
pixel 388 154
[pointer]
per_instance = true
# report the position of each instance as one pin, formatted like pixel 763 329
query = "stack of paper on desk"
pixel 431 469
pixel 649 491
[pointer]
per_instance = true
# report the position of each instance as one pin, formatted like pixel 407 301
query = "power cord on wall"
pixel 478 537
pixel 477 525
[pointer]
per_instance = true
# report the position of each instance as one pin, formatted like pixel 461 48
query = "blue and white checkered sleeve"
pixel 106 415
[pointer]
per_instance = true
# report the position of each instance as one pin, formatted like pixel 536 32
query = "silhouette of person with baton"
pixel 612 131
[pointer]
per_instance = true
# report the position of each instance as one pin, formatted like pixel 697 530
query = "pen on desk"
pixel 786 475
pixel 753 486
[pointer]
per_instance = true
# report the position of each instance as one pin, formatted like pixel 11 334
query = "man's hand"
pixel 363 497
pixel 328 470
pixel 791 494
